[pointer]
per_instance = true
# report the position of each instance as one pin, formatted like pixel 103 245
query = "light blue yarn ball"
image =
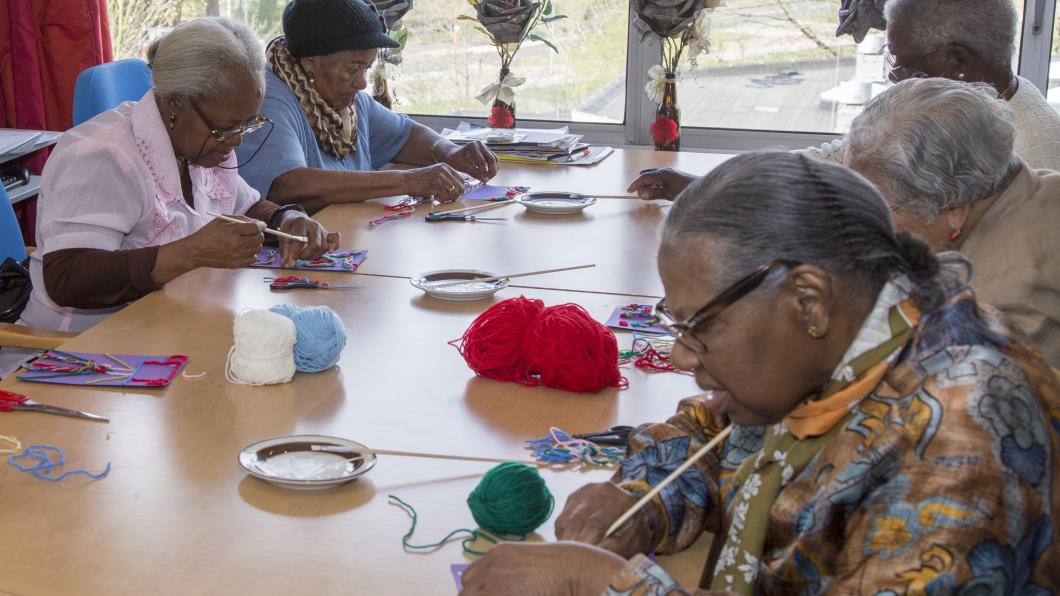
pixel 321 336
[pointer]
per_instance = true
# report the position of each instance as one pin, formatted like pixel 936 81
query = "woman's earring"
pixel 312 81
pixel 172 119
pixel 955 233
pixel 960 76
pixel 815 332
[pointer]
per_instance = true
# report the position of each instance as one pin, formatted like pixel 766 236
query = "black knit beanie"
pixel 319 27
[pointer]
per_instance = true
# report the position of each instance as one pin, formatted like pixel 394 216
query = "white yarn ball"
pixel 263 350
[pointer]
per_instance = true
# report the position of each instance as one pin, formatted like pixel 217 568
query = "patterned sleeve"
pixel 966 500
pixel 687 507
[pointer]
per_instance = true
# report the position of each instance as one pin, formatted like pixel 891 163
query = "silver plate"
pixel 555 203
pixel 463 292
pixel 291 462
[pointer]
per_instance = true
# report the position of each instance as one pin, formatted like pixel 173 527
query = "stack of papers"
pixel 553 146
pixel 17 141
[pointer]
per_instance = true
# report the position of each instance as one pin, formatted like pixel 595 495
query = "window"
pixel 447 63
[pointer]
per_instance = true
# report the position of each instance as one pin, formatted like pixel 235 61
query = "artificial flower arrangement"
pixel 508 23
pixel 391 12
pixel 683 29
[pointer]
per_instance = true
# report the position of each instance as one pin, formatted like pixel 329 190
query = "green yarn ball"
pixel 511 499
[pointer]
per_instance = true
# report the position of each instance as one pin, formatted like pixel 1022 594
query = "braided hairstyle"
pixel 765 206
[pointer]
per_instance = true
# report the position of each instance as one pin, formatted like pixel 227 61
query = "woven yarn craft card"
pixel 635 317
pixel 106 370
pixel 340 260
pixel 488 192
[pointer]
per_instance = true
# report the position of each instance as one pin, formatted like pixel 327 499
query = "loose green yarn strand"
pixel 472 535
pixel 511 499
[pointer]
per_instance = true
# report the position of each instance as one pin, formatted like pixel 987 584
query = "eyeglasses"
pixel 901 72
pixel 683 330
pixel 223 136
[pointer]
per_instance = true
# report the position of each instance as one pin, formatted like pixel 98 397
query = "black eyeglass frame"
pixel 223 136
pixel 682 330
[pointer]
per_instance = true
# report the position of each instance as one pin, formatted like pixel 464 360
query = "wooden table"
pixel 177 514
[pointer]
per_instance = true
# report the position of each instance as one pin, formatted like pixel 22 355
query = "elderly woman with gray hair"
pixel 125 198
pixel 890 434
pixel 941 154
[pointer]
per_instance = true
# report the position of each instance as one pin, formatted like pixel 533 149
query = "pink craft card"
pixel 635 317
pixel 340 260
pixel 103 370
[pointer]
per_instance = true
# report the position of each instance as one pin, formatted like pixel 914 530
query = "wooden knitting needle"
pixel 718 438
pixel 267 230
pixel 500 277
pixel 613 196
pixel 477 207
pixel 494 460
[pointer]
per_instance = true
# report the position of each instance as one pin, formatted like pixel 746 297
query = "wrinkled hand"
pixel 592 509
pixel 661 183
pixel 542 570
pixel 319 239
pixel 225 245
pixel 475 160
pixel 440 181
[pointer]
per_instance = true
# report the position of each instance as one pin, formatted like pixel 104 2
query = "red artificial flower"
pixel 500 117
pixel 664 130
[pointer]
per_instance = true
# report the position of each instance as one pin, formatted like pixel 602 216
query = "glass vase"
pixel 502 115
pixel 666 130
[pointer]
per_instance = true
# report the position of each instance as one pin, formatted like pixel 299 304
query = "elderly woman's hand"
pixel 539 569
pixel 223 244
pixel 592 509
pixel 661 183
pixel 319 239
pixel 439 181
pixel 474 159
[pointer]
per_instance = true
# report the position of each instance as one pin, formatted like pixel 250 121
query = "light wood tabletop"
pixel 619 236
pixel 177 514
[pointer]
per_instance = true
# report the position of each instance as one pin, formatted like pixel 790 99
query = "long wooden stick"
pixel 493 205
pixel 666 481
pixel 613 196
pixel 494 460
pixel 500 277
pixel 267 230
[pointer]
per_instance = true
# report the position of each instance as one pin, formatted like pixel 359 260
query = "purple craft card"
pixel 635 317
pixel 123 370
pixel 340 260
pixel 486 192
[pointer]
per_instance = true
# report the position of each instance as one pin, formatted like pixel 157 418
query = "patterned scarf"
pixel 336 131
pixel 790 446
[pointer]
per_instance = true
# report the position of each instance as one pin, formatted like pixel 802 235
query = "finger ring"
pixel 451 188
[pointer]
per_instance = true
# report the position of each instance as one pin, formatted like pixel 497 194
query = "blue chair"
pixel 104 87
pixel 10 235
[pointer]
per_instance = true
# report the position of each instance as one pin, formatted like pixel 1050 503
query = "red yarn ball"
pixel 560 346
pixel 493 345
pixel 567 349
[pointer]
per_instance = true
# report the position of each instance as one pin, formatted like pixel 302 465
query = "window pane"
pixel 1053 94
pixel 447 63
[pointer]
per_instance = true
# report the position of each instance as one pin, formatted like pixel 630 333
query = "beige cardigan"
pixel 1015 250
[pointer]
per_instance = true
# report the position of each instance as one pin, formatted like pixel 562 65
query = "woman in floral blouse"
pixel 891 435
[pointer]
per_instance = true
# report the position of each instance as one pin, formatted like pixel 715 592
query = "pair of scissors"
pixel 616 435
pixel 293 282
pixel 9 401
pixel 433 217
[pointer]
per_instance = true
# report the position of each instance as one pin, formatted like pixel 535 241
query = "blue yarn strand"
pixel 43 455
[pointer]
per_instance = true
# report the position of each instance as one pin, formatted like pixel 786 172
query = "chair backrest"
pixel 11 244
pixel 101 88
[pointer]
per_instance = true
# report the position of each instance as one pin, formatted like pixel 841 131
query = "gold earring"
pixel 172 119
pixel 960 76
pixel 815 332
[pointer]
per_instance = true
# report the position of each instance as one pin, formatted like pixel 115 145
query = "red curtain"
pixel 44 45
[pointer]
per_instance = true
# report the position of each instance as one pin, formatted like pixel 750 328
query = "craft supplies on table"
pixel 276 233
pixel 558 447
pixel 106 369
pixel 340 260
pixel 291 462
pixel 490 192
pixel 475 287
pixel 555 203
pixel 651 353
pixel 293 282
pixel 437 217
pixel 636 317
pixel 320 336
pixel 49 461
pixel 11 401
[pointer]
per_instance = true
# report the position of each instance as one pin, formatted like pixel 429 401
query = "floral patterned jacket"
pixel 944 480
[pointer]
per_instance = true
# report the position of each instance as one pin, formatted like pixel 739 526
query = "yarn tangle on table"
pixel 263 350
pixel 49 459
pixel 558 447
pixel 320 336
pixel 651 354
pixel 560 346
pixel 512 500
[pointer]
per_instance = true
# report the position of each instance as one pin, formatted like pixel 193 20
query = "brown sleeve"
pixel 263 211
pixel 93 278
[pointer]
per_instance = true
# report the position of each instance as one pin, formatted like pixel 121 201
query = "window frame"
pixel 1034 59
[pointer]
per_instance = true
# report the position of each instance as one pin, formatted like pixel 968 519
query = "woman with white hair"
pixel 941 154
pixel 125 197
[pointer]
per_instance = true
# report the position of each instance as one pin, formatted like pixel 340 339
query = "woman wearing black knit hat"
pixel 330 138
